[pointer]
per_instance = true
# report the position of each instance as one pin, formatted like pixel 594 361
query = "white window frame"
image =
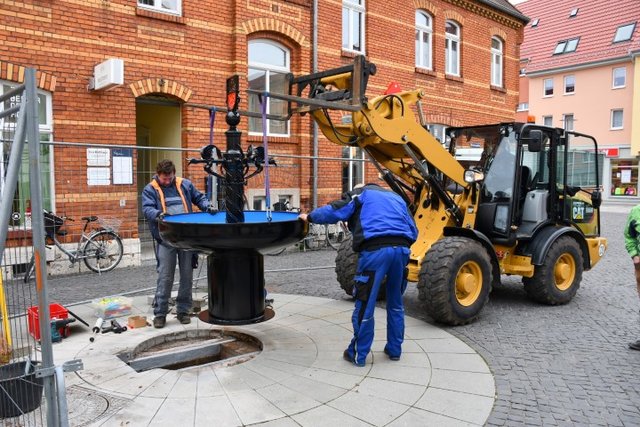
pixel 616 36
pixel 157 6
pixel 568 118
pixel 523 106
pixel 45 131
pixel 567 46
pixel 352 8
pixel 256 198
pixel 421 31
pixel 354 157
pixel 452 62
pixel 570 76
pixel 269 68
pixel 544 88
pixel 613 78
pixel 497 62
pixel 544 121
pixel 613 113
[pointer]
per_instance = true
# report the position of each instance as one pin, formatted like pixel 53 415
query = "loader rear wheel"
pixel 557 280
pixel 455 280
pixel 346 266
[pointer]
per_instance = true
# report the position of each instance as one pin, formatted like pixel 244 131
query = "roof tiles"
pixel 595 25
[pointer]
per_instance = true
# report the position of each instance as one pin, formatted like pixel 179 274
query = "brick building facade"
pixel 178 52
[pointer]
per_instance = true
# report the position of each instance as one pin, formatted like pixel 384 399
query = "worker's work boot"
pixel 635 345
pixel 184 318
pixel 159 321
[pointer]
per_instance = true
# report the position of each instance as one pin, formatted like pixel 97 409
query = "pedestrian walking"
pixel 383 230
pixel 168 194
pixel 632 244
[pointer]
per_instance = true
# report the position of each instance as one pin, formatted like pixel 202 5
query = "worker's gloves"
pixel 212 210
pixel 161 216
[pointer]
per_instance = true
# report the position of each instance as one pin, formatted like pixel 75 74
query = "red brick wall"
pixel 195 53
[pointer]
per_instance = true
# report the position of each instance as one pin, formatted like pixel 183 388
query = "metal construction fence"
pixel 75 208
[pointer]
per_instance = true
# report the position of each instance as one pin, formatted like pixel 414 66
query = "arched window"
pixel 452 48
pixel 268 67
pixel 424 30
pixel 497 47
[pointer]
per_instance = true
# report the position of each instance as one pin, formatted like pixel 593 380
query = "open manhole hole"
pixel 212 348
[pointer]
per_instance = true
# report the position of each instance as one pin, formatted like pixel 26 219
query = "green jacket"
pixel 632 232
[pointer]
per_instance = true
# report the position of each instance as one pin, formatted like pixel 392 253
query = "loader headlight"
pixel 471 176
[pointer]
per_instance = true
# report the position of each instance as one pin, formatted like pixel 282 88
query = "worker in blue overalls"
pixel 383 230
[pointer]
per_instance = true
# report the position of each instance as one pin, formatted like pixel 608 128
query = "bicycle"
pixel 337 233
pixel 320 235
pixel 101 249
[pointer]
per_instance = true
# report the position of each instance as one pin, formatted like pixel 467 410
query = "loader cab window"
pixel 498 183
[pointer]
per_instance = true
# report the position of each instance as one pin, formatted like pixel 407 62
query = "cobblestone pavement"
pixel 566 365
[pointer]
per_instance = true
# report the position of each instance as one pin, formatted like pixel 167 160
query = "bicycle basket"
pixel 52 223
pixel 110 223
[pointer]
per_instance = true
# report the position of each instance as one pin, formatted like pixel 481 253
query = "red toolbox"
pixel 56 311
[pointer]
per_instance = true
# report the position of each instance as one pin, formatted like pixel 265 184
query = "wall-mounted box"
pixel 108 74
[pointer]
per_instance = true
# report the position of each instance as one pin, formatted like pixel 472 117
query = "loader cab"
pixel 534 176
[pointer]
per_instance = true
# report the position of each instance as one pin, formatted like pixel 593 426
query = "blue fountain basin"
pixel 210 232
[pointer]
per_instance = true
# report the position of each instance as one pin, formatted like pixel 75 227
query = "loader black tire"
pixel 346 266
pixel 557 280
pixel 455 280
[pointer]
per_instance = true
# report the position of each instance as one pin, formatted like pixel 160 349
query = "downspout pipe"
pixel 314 66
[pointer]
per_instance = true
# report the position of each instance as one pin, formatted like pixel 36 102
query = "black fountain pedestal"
pixel 234 239
pixel 235 261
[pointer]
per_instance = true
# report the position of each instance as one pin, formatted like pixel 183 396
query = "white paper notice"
pixel 98 176
pixel 98 157
pixel 123 170
pixel 626 176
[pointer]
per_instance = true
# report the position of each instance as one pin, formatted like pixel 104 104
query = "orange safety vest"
pixel 155 185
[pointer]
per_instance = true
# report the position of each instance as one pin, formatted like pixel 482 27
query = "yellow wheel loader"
pixel 507 198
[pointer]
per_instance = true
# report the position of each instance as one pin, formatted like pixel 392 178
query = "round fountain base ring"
pixel 206 317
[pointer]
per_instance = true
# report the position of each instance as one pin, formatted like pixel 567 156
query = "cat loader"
pixel 491 200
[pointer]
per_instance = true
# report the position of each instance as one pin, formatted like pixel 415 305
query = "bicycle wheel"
pixel 103 251
pixel 336 234
pixel 31 268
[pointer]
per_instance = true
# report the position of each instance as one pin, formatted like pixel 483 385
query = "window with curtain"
pixel 569 84
pixel 452 48
pixel 619 77
pixel 497 48
pixel 548 87
pixel 568 122
pixel 267 71
pixel 21 207
pixel 353 25
pixel 616 119
pixel 424 31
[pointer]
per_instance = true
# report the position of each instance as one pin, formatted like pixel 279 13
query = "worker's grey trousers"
pixel 166 256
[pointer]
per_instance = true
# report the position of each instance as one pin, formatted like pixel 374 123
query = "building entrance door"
pixel 158 136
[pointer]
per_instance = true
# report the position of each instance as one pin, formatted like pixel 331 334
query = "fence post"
pixel 37 229
pixel 11 180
